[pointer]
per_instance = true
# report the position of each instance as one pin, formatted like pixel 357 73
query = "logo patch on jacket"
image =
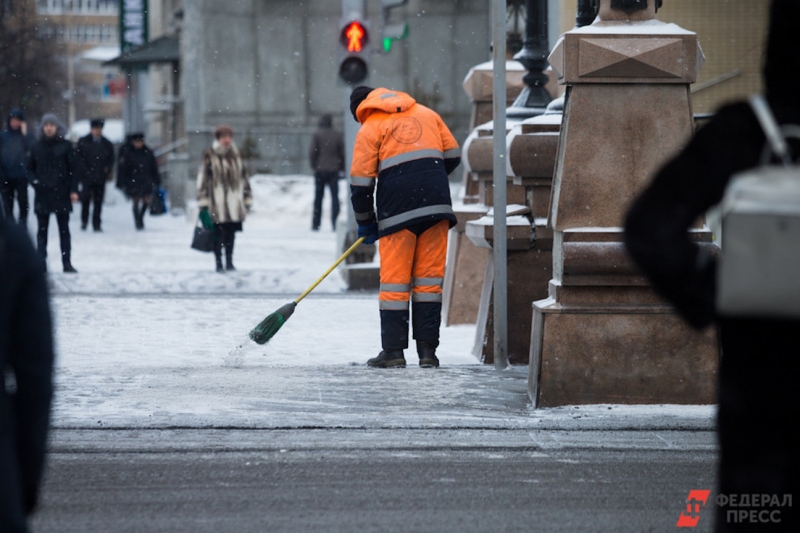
pixel 406 130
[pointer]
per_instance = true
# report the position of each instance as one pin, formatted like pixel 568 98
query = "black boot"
pixel 141 216
pixel 388 359
pixel 68 268
pixel 427 354
pixel 136 218
pixel 218 249
pixel 229 252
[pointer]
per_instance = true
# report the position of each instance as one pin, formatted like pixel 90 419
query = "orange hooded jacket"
pixel 408 150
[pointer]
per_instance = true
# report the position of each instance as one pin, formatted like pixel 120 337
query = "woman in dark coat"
pixel 137 175
pixel 54 173
pixel 759 384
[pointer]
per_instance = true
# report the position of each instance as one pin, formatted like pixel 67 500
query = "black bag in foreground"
pixel 758 272
pixel 203 239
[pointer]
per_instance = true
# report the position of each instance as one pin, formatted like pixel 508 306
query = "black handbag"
pixel 204 238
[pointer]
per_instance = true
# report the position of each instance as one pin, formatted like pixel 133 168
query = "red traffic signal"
pixel 354 37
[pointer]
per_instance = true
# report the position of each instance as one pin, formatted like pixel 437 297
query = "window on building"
pixel 81 33
pixel 83 7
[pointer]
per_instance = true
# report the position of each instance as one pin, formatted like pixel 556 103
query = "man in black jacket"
pixel 96 154
pixel 137 175
pixel 759 393
pixel 54 171
pixel 26 360
pixel 15 143
pixel 326 157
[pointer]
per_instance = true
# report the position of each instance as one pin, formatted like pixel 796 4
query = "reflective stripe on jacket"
pixel 408 150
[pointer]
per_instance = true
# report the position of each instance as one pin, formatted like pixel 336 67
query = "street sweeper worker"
pixel 407 151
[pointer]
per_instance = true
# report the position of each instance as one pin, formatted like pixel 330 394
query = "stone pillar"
pixel 466 263
pixel 602 335
pixel 478 86
pixel 531 157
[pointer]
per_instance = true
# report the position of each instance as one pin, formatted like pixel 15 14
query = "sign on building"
pixel 132 24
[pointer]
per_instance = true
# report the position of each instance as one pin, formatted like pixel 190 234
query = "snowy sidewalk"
pixel 150 337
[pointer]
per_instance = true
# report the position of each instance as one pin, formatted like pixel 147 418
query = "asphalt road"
pixel 387 481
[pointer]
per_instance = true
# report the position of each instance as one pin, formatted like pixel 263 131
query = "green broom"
pixel 268 327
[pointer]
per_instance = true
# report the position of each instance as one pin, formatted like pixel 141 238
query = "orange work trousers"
pixel 412 273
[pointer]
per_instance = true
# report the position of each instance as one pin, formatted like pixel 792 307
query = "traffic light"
pixel 391 32
pixel 354 38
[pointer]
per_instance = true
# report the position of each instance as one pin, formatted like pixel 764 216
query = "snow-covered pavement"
pixel 149 336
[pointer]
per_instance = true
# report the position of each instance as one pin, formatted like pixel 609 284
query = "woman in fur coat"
pixel 223 192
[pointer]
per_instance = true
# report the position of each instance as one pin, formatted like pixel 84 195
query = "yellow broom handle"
pixel 325 275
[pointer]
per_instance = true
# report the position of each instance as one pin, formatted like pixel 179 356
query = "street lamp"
pixel 533 99
pixel 515 25
pixel 587 11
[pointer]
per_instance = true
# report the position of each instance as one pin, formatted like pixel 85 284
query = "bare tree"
pixel 31 76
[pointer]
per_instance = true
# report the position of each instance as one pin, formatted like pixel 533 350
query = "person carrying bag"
pixel 758 274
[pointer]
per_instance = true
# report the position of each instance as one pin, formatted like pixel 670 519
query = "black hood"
pixel 782 65
pixel 14 113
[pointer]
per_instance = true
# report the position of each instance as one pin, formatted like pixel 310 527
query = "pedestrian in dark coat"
pixel 26 353
pixel 137 175
pixel 97 157
pixel 54 172
pixel 15 143
pixel 326 157
pixel 759 384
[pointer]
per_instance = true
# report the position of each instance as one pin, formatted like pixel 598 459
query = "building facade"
pixel 88 32
pixel 269 68
pixel 732 35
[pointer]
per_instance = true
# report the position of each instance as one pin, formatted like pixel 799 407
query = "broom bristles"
pixel 267 328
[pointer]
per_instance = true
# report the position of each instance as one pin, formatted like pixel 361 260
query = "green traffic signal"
pixel 394 32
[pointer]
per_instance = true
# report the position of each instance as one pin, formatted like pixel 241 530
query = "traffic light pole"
pixel 351 10
pixel 350 131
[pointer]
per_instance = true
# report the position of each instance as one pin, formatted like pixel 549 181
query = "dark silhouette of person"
pixel 15 143
pixel 26 366
pixel 54 170
pixel 137 175
pixel 97 155
pixel 326 157
pixel 758 421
